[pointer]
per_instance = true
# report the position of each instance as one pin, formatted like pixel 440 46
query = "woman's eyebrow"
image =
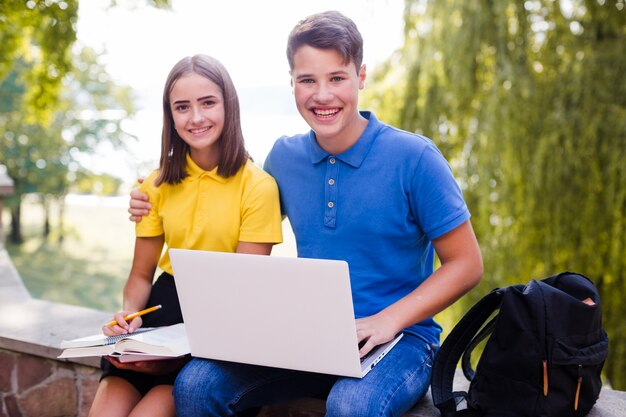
pixel 205 97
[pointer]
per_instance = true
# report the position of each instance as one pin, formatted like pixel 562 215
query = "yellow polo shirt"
pixel 208 212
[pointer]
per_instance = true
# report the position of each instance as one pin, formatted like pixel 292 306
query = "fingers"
pixel 370 333
pixel 160 367
pixel 365 338
pixel 136 215
pixel 139 205
pixel 129 366
pixel 120 326
pixel 135 194
pixel 366 347
pixel 109 331
pixel 115 330
pixel 138 209
pixel 134 324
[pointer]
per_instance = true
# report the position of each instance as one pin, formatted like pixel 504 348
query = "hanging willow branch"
pixel 528 102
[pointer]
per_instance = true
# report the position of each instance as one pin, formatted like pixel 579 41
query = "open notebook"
pixel 293 313
pixel 144 344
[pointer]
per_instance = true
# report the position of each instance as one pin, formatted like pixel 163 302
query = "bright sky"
pixel 249 37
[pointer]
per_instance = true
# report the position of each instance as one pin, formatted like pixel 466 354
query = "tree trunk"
pixel 15 236
pixel 46 214
pixel 61 218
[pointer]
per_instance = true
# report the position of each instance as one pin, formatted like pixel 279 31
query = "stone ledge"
pixel 37 327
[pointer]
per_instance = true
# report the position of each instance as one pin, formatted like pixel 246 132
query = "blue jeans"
pixel 214 388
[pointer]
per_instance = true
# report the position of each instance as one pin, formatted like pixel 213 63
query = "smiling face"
pixel 197 107
pixel 326 91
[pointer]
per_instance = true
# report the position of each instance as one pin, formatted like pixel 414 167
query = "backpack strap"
pixel 484 333
pixel 452 348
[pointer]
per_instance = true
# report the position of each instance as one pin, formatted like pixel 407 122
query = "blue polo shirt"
pixel 376 206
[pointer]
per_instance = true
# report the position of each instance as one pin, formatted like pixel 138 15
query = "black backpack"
pixel 544 356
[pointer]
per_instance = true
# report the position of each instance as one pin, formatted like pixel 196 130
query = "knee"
pixel 338 409
pixel 344 404
pixel 183 389
pixel 185 381
pixel 193 390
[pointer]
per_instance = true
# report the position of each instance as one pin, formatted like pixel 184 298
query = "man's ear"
pixel 362 76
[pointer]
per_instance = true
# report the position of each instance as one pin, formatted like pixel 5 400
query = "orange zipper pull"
pixel 545 378
pixel 580 382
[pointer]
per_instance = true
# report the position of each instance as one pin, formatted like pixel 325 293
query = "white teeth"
pixel 326 112
pixel 195 131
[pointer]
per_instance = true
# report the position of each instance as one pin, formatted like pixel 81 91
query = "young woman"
pixel 206 194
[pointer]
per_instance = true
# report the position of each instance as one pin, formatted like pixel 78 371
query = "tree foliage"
pixel 45 158
pixel 528 102
pixel 56 100
pixel 40 33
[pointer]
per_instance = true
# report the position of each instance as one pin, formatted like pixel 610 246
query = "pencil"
pixel 137 314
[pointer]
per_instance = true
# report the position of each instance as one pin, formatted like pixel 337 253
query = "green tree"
pixel 45 158
pixel 42 34
pixel 528 101
pixel 53 105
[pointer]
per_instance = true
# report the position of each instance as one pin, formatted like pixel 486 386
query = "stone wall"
pixel 34 386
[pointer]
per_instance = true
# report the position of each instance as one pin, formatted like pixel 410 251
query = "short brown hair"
pixel 174 150
pixel 327 30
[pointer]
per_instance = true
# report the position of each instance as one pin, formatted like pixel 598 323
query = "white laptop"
pixel 292 313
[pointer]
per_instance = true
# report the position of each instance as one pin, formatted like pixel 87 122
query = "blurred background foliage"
pixel 527 99
pixel 57 103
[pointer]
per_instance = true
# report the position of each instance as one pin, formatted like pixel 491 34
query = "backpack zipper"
pixel 543 335
pixel 580 382
pixel 545 378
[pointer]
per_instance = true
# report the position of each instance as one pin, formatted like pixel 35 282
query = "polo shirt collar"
pixel 195 172
pixel 355 155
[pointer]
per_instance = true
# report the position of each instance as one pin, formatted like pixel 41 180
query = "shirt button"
pixel 201 213
pixel 331 204
pixel 203 194
pixel 331 160
pixel 331 181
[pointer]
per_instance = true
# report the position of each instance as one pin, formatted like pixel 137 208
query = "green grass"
pixel 88 267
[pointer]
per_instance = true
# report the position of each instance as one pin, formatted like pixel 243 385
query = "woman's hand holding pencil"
pixel 107 328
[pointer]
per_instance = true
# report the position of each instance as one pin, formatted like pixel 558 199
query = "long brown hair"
pixel 174 150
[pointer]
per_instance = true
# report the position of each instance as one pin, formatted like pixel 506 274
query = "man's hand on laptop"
pixel 373 331
pixel 139 205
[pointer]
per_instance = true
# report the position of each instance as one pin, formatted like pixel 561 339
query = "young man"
pixel 383 200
